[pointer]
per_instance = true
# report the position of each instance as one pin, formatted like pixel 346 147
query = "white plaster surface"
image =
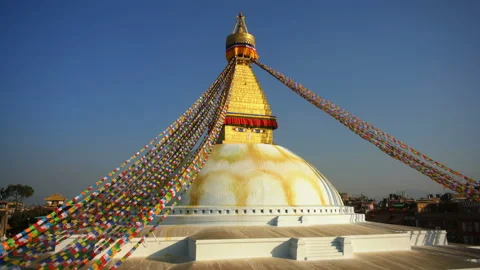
pixel 277 242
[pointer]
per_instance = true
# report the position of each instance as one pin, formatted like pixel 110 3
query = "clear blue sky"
pixel 84 84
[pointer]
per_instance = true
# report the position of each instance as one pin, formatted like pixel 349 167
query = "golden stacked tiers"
pixel 247 96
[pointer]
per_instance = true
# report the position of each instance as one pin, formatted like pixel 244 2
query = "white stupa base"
pixel 298 233
pixel 262 216
pixel 367 237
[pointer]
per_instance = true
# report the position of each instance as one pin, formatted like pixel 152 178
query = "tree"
pixel 19 221
pixel 3 195
pixel 16 193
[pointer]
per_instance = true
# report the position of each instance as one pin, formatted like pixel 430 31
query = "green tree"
pixel 19 221
pixel 3 195
pixel 16 193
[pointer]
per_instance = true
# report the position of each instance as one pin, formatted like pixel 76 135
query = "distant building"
pixel 55 200
pixel 449 212
pixel 3 218
pixel 361 204
pixel 15 206
pixel 344 196
pixel 461 220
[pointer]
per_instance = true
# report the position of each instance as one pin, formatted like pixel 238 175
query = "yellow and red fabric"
pixel 270 123
pixel 245 50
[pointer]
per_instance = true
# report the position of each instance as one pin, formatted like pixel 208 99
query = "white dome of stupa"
pixel 259 175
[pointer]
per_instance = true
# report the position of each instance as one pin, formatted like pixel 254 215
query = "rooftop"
pixel 241 232
pixel 55 197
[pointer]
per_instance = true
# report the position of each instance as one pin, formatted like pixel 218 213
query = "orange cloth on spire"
pixel 243 50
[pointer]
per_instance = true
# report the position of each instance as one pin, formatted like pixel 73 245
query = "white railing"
pixel 262 210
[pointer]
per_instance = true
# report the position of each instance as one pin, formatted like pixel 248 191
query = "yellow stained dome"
pixel 259 175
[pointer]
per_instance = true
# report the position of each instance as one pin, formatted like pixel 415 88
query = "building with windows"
pixel 460 219
pixel 452 213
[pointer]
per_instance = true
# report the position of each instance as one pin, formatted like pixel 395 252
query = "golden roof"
pixel 55 197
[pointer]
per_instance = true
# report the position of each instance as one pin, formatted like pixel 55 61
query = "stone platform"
pixel 184 243
pixel 315 242
pixel 434 258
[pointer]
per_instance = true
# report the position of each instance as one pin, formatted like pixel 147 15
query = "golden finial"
pixel 240 42
pixel 240 25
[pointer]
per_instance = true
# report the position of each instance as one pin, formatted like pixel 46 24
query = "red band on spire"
pixel 251 122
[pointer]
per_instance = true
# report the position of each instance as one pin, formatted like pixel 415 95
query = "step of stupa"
pixel 325 244
pixel 314 250
pixel 337 256
pixel 323 248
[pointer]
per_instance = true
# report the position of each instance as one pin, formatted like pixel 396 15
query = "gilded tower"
pixel 249 118
pixel 245 168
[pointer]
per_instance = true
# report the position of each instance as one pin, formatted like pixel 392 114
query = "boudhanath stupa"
pixel 249 180
pixel 258 204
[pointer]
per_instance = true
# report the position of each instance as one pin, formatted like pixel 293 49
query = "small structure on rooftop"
pixel 55 200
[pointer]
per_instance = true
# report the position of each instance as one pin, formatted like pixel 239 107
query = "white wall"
pixel 377 243
pixel 242 248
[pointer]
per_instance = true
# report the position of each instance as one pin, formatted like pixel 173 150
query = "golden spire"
pixel 240 43
pixel 240 25
pixel 249 118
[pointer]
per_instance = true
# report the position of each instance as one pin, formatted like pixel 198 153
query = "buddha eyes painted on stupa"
pixel 253 130
pixel 240 129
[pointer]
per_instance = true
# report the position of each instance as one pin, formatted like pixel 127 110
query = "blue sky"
pixel 84 84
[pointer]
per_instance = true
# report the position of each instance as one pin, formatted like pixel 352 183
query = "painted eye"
pixel 240 129
pixel 258 130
